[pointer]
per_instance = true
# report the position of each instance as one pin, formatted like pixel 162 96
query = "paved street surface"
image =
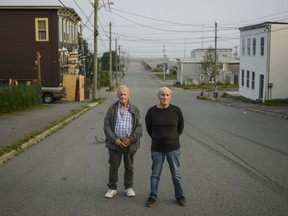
pixel 233 162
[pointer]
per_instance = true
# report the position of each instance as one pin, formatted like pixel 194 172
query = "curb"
pixel 8 156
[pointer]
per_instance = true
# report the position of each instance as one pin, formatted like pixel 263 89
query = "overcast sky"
pixel 151 28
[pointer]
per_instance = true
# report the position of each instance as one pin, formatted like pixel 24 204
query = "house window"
pixel 243 46
pixel 201 77
pixel 253 81
pixel 60 29
pixel 247 79
pixel 248 46
pixel 262 41
pixel 242 78
pixel 254 46
pixel 64 30
pixel 67 31
pixel 41 29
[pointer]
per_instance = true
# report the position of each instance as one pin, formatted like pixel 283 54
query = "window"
pixel 60 30
pixel 64 30
pixel 41 29
pixel 253 81
pixel 262 41
pixel 243 46
pixel 202 77
pixel 248 46
pixel 242 78
pixel 247 79
pixel 67 31
pixel 254 46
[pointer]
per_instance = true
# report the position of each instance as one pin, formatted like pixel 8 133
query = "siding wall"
pixel 19 46
pixel 272 65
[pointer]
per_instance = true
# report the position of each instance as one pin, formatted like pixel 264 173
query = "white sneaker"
pixel 130 192
pixel 110 193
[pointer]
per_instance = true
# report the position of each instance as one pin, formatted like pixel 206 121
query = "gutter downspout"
pixel 182 71
pixel 267 89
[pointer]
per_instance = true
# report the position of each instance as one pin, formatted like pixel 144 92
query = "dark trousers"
pixel 115 157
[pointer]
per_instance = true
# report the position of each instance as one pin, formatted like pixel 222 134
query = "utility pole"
pixel 95 74
pixel 120 67
pixel 116 62
pixel 215 66
pixel 164 64
pixel 110 56
pixel 236 52
pixel 39 68
pixel 83 52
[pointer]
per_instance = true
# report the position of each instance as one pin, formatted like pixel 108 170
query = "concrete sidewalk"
pixel 278 111
pixel 15 126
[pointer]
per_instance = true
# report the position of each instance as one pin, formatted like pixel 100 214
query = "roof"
pixel 261 25
pixel 24 7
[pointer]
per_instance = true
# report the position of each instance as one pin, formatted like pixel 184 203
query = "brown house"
pixel 51 31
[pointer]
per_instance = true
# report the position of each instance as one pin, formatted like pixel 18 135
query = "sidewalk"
pixel 279 111
pixel 14 126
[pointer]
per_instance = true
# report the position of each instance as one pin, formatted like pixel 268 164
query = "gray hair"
pixel 162 89
pixel 121 87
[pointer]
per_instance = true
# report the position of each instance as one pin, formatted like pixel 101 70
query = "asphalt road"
pixel 233 162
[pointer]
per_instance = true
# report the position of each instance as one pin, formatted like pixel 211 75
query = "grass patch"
pixel 209 86
pixel 275 102
pixel 97 100
pixel 167 76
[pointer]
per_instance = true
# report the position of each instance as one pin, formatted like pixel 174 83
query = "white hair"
pixel 164 88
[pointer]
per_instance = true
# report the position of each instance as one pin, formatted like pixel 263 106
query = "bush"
pixel 15 98
pixel 104 78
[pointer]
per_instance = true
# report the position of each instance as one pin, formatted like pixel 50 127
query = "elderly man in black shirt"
pixel 164 124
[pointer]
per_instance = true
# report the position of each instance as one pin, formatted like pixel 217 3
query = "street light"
pixel 95 74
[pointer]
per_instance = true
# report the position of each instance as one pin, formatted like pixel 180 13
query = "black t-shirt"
pixel 164 126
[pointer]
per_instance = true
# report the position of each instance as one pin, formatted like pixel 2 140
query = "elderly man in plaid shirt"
pixel 123 130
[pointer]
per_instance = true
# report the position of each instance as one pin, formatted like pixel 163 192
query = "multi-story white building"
pixel 263 71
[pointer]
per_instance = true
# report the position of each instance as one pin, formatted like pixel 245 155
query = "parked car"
pixel 51 94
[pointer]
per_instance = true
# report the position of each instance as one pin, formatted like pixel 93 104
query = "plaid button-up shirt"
pixel 123 127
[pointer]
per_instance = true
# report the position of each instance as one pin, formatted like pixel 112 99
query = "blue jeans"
pixel 174 165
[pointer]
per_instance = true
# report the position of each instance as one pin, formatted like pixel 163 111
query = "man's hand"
pixel 120 143
pixel 123 143
pixel 127 141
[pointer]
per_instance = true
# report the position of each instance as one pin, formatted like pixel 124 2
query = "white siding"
pixel 272 65
pixel 252 63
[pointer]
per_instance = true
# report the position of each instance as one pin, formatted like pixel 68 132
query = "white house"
pixel 263 71
pixel 189 70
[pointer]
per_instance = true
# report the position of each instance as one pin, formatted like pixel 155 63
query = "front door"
pixel 261 86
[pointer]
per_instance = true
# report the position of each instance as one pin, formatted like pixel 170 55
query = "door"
pixel 261 86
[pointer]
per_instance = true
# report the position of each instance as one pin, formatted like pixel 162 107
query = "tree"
pixel 211 64
pixel 105 60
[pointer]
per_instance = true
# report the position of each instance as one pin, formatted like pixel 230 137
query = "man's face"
pixel 123 96
pixel 164 97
